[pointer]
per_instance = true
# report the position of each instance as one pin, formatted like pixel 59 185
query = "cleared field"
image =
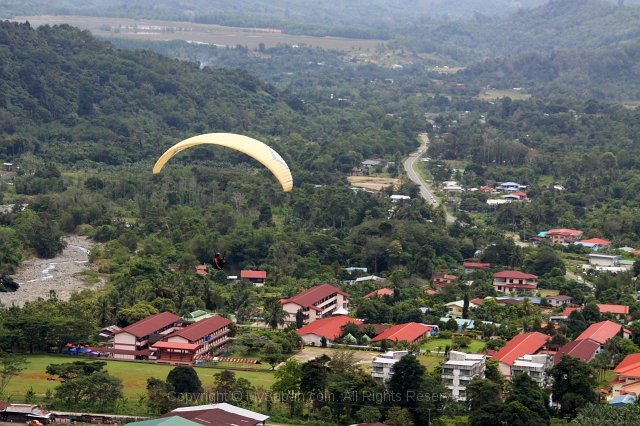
pixel 548 293
pixel 134 375
pixel 194 33
pixel 438 345
pixel 372 182
pixel 309 353
pixel 442 70
pixel 497 94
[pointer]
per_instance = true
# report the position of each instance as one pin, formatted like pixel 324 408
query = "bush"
pixel 444 334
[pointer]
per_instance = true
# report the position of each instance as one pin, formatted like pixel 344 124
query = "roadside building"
pixel 563 236
pixel 603 259
pixel 535 366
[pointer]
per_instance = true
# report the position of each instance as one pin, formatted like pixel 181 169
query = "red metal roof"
pixel 378 327
pixel 308 297
pixel 522 344
pixel 327 327
pixel 441 276
pixel 475 265
pixel 598 241
pixel 4 405
pixel 176 345
pixel 430 292
pixel 409 332
pixel 600 332
pixel 381 292
pixel 564 232
pixel 630 366
pixel 567 311
pixel 150 324
pixel 514 274
pixel 581 349
pixel 476 301
pixel 202 328
pixel 614 309
pixel 213 417
pixel 253 274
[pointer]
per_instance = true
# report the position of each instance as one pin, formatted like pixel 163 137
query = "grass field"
pixel 133 375
pixel 433 344
pixel 430 362
pixel 497 94
pixel 194 33
pixel 547 293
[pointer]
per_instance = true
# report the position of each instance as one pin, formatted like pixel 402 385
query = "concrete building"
pixel 533 365
pixel 316 303
pixel 459 369
pixel 595 244
pixel 470 267
pixel 256 277
pixel 381 366
pixel 515 282
pixel 523 344
pixel 456 308
pixel 603 259
pixel 133 342
pixel 628 380
pixel 560 300
pixel 563 236
pixel 329 328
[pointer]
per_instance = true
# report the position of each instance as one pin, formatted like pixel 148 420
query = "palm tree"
pixel 274 314
pixel 525 224
pixel 516 258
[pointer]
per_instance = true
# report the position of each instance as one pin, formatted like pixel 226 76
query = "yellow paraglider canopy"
pixel 253 148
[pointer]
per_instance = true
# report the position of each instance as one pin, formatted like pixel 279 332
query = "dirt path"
pixel 38 276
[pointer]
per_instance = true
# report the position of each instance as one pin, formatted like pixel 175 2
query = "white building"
pixel 397 198
pixel 459 370
pixel 533 365
pixel 382 364
pixel 603 259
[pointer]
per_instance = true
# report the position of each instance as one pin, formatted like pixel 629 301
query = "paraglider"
pixel 218 261
pixel 253 148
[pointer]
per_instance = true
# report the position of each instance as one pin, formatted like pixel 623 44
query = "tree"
pixel 368 414
pixel 299 319
pixel 103 390
pixel 272 353
pixel 274 314
pixel 465 306
pixel 323 342
pixel 74 370
pixel 10 366
pixel 481 392
pixel 397 416
pixel 350 328
pixel 407 379
pixel 607 415
pixel 314 379
pixel 288 378
pixel 224 385
pixel 184 379
pixel 591 312
pixel 252 341
pixel 159 396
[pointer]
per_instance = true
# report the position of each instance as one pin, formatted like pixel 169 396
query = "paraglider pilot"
pixel 218 261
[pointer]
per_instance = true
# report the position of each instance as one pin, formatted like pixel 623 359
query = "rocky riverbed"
pixel 38 276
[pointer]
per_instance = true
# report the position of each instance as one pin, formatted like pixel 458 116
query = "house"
pixel 559 300
pixel 208 417
pixel 134 341
pixel 628 379
pixel 523 344
pixel 603 259
pixel 316 303
pixel 459 369
pixel 370 163
pixel 379 293
pixel 563 236
pixel 211 333
pixel 8 167
pixel 382 365
pixel 455 308
pixel 626 264
pixel 470 267
pixel 411 332
pixel 620 311
pixel 441 279
pixel 367 278
pixel 255 418
pixel 602 331
pixel 515 282
pixel 535 366
pixel 329 328
pixel 595 244
pixel 486 189
pixel 453 188
pixel 379 328
pixel 522 196
pixel 256 277
pixel 398 198
pixel 510 186
pixel 585 350
pixel 21 413
pixel 622 400
pixel 201 270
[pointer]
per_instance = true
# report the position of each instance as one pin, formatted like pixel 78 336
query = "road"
pixel 425 191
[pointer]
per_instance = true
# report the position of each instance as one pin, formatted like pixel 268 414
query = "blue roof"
pixel 355 268
pixel 622 400
pixel 510 184
pixel 542 234
pixel 534 300
pixel 470 323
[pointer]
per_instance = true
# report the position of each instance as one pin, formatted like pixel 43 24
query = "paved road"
pixel 425 191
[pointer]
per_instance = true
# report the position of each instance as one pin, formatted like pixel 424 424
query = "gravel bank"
pixel 38 276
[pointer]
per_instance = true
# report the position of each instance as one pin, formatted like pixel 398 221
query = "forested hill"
pixel 72 99
pixel 610 73
pixel 576 24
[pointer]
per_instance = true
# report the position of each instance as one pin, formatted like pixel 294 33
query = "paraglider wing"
pixel 253 148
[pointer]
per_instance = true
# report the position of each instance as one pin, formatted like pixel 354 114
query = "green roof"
pixel 166 421
pixel 626 262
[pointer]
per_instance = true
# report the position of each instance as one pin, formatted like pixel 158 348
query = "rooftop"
pixel 308 297
pixel 226 407
pixel 213 416
pixel 150 324
pixel 409 332
pixel 202 328
pixel 598 241
pixel 475 265
pixel 581 349
pixel 380 292
pixel 614 309
pixel 600 332
pixel 327 327
pixel 522 344
pixel 176 345
pixel 560 297
pixel 253 274
pixel 564 232
pixel 515 275
pixel 630 366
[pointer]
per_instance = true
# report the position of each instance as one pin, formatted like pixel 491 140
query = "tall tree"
pixel 10 366
pixel 184 379
pixel 573 385
pixel 274 314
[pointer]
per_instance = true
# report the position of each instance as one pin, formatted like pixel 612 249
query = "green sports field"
pixel 134 375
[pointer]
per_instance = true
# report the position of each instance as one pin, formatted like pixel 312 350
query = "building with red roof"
pixel 595 243
pixel 430 292
pixel 441 279
pixel 213 416
pixel 470 267
pixel 256 277
pixel 602 331
pixel 135 338
pixel 563 236
pixel 559 300
pixel 201 270
pixel 316 303
pixel 211 334
pixel 522 344
pixel 515 282
pixel 329 328
pixel 617 310
pixel 411 332
pixel 585 350
pixel 380 292
pixel 628 379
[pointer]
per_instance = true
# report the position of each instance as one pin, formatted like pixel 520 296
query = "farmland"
pixel 194 33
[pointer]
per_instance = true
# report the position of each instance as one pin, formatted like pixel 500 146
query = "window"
pixel 448 381
pixel 447 371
